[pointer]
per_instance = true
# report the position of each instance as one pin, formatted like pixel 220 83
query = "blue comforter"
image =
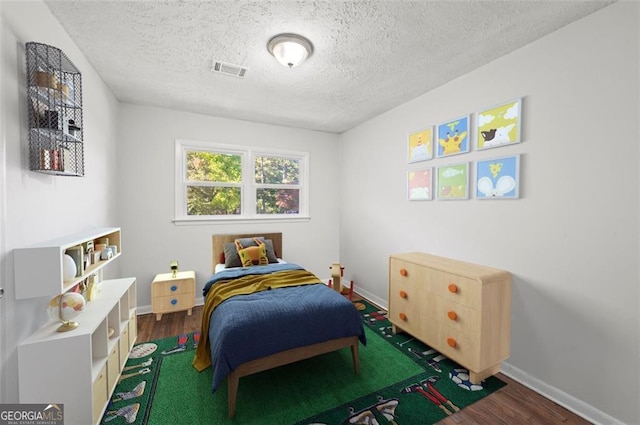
pixel 248 327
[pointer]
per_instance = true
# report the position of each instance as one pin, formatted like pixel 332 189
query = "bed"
pixel 286 312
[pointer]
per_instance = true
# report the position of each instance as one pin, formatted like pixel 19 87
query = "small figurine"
pixel 174 268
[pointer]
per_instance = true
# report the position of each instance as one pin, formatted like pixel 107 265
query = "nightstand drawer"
pixel 172 303
pixel 172 287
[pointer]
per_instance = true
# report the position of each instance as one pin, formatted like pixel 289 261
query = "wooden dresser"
pixel 460 309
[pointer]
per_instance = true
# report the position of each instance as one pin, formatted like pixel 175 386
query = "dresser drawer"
pixel 405 271
pixel 460 346
pixel 455 288
pixel 460 289
pixel 404 309
pixel 451 313
pixel 403 279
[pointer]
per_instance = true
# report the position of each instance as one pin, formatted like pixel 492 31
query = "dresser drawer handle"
pixel 403 294
pixel 452 315
pixel 451 342
pixel 174 301
pixel 174 287
pixel 403 317
pixel 453 288
pixel 403 272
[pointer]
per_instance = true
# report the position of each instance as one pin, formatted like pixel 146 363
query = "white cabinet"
pixel 80 368
pixel 39 268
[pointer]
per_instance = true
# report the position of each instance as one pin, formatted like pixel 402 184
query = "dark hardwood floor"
pixel 513 404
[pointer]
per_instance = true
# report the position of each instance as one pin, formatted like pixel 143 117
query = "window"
pixel 226 182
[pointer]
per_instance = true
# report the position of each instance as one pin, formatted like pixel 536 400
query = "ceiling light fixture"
pixel 290 49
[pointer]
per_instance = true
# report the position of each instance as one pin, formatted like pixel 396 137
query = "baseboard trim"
pixel 370 297
pixel 558 396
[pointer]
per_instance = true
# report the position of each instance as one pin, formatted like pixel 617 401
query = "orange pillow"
pixel 252 255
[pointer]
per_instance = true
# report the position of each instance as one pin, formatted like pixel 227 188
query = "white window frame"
pixel 248 185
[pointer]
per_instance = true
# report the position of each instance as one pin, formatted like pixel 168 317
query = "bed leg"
pixel 356 357
pixel 232 384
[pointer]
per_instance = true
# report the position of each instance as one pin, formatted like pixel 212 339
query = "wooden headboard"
pixel 218 242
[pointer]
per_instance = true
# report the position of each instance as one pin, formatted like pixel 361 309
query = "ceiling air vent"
pixel 229 69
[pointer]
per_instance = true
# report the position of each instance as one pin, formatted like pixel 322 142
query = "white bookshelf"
pixel 38 268
pixel 82 366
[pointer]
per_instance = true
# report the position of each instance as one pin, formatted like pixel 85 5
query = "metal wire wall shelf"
pixel 54 101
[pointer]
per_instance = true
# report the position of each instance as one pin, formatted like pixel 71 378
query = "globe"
pixel 65 308
pixel 69 268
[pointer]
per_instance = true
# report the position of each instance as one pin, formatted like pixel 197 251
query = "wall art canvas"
pixel 499 126
pixel 453 137
pixel 453 181
pixel 498 178
pixel 419 183
pixel 420 146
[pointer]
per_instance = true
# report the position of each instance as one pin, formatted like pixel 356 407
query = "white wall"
pixel 38 207
pixel 571 241
pixel 146 193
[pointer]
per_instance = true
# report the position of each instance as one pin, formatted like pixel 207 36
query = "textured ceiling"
pixel 369 56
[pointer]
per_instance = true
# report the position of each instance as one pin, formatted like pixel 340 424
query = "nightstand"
pixel 170 294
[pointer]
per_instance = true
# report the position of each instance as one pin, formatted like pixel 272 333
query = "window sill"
pixel 194 221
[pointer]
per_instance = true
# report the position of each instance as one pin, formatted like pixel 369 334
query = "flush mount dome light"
pixel 290 49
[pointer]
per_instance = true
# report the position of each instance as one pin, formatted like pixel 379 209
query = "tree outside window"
pixel 226 181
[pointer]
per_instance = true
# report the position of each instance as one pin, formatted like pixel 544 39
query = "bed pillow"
pixel 252 255
pixel 271 253
pixel 231 258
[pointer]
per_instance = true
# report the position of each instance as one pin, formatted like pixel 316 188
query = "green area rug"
pixel 401 381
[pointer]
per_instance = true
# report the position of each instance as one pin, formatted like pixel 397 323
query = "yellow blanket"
pixel 245 285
